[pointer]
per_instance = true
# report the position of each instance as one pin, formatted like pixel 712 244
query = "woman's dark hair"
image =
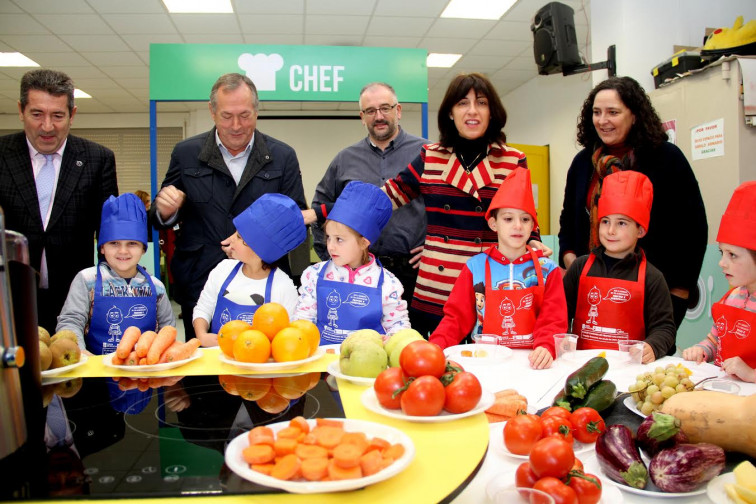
pixel 647 131
pixel 458 89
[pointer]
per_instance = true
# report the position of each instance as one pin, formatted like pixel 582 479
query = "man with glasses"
pixel 380 156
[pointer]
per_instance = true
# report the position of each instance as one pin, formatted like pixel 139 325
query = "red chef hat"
pixel 628 193
pixel 738 225
pixel 515 192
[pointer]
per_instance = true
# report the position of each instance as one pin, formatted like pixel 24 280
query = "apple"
pixel 363 358
pixel 363 335
pixel 68 388
pixel 64 353
pixel 44 335
pixel 45 356
pixel 66 334
pixel 398 341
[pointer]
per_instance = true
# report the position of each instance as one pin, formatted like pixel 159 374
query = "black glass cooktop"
pixel 153 437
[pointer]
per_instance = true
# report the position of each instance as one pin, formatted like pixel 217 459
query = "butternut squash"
pixel 722 419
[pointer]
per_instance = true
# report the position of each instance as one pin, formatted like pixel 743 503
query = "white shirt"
pixel 237 163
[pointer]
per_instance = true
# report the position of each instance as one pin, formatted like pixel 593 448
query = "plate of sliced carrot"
pixel 320 455
pixel 272 365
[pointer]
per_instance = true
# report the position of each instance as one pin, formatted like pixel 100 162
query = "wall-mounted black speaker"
pixel 554 39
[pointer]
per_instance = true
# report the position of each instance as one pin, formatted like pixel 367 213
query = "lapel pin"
pixel 79 163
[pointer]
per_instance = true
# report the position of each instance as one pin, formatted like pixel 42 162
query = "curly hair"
pixel 647 131
pixel 458 89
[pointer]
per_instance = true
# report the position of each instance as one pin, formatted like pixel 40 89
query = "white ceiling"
pixel 104 44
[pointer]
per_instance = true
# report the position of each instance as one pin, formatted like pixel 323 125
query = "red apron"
pixel 734 326
pixel 609 310
pixel 512 313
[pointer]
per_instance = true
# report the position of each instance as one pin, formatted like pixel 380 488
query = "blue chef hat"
pixel 272 226
pixel 364 208
pixel 123 218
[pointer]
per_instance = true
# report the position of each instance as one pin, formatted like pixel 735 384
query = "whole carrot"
pixel 182 352
pixel 144 343
pixel 165 337
pixel 164 355
pixel 128 340
pixel 132 359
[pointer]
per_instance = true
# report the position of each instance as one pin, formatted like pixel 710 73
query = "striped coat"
pixel 456 202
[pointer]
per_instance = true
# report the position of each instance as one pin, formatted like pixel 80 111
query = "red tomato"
pixel 577 466
pixel 425 396
pixel 463 393
pixel 552 456
pixel 587 487
pixel 389 381
pixel 421 358
pixel 561 493
pixel 524 476
pixel 556 411
pixel 521 433
pixel 452 368
pixel 556 425
pixel 587 424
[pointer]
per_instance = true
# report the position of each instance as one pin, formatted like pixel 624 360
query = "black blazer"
pixel 87 178
pixel 213 199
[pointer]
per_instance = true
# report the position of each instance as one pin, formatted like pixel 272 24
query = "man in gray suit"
pixel 52 187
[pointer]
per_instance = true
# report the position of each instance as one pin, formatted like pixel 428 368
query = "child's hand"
pixel 648 354
pixel 540 358
pixel 735 366
pixel 694 353
pixel 536 245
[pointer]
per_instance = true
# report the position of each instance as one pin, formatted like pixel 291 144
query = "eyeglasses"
pixel 384 109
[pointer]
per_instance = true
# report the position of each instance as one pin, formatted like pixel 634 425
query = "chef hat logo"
pixel 261 68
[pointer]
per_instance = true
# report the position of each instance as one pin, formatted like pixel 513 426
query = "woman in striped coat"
pixel 457 178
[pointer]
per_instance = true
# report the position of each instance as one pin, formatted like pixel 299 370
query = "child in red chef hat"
pixel 730 343
pixel 614 293
pixel 524 298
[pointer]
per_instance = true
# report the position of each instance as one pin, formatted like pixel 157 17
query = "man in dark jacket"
pixel 212 177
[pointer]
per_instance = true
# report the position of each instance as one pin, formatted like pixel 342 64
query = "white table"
pixel 540 387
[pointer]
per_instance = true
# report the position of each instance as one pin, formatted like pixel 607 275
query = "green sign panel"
pixel 186 72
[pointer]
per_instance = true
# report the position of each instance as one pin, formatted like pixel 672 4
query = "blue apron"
pixel 226 310
pixel 110 317
pixel 345 307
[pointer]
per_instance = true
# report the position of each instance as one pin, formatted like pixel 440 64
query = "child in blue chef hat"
pixel 106 299
pixel 267 230
pixel 352 290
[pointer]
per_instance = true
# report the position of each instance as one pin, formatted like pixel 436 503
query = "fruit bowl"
pixel 271 365
pixel 335 370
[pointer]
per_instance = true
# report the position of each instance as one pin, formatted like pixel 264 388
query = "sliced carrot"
pixel 337 473
pixel 289 432
pixel 379 444
pixel 347 455
pixel 300 422
pixel 165 337
pixel 258 454
pixel 328 436
pixel 287 467
pixel 262 468
pixel 144 342
pixel 284 446
pixel 395 451
pixel 261 435
pixel 371 462
pixel 314 469
pixel 304 451
pixel 493 417
pixel 128 340
pixel 183 351
pixel 358 439
pixel 329 422
pixel 309 439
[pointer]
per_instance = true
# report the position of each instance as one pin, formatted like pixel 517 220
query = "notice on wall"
pixel 707 140
pixel 670 127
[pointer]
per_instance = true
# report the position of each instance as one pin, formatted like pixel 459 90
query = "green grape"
pixel 667 392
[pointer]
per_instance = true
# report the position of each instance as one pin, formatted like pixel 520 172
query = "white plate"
pixel 236 463
pixel 370 401
pixel 57 371
pixel 271 365
pixel 715 489
pixel 335 369
pixel 651 490
pixel 609 493
pixel 107 361
pixel 629 403
pixel 455 353
pixel 577 447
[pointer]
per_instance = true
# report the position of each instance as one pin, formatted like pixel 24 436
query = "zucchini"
pixel 582 379
pixel 600 397
pixel 563 400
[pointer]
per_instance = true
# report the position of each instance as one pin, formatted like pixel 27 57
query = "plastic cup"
pixel 502 493
pixel 723 385
pixel 485 345
pixel 632 350
pixel 565 345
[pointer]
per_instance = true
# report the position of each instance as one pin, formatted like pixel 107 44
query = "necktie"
pixel 45 183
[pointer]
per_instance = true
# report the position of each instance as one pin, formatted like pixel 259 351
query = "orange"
pixel 228 382
pixel 273 403
pixel 289 344
pixel 311 332
pixel 228 333
pixel 270 318
pixel 252 389
pixel 291 387
pixel 252 346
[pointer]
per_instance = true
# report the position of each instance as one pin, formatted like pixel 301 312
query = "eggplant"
pixel 686 466
pixel 659 431
pixel 620 458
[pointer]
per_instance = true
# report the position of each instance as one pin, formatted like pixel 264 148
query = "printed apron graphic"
pixel 227 310
pixel 609 310
pixel 734 327
pixel 347 308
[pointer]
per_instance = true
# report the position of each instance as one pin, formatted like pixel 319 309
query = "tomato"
pixel 556 411
pixel 389 381
pixel 561 493
pixel 463 393
pixel 577 466
pixel 524 476
pixel 556 425
pixel 552 456
pixel 587 487
pixel 587 424
pixel 421 358
pixel 425 396
pixel 521 433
